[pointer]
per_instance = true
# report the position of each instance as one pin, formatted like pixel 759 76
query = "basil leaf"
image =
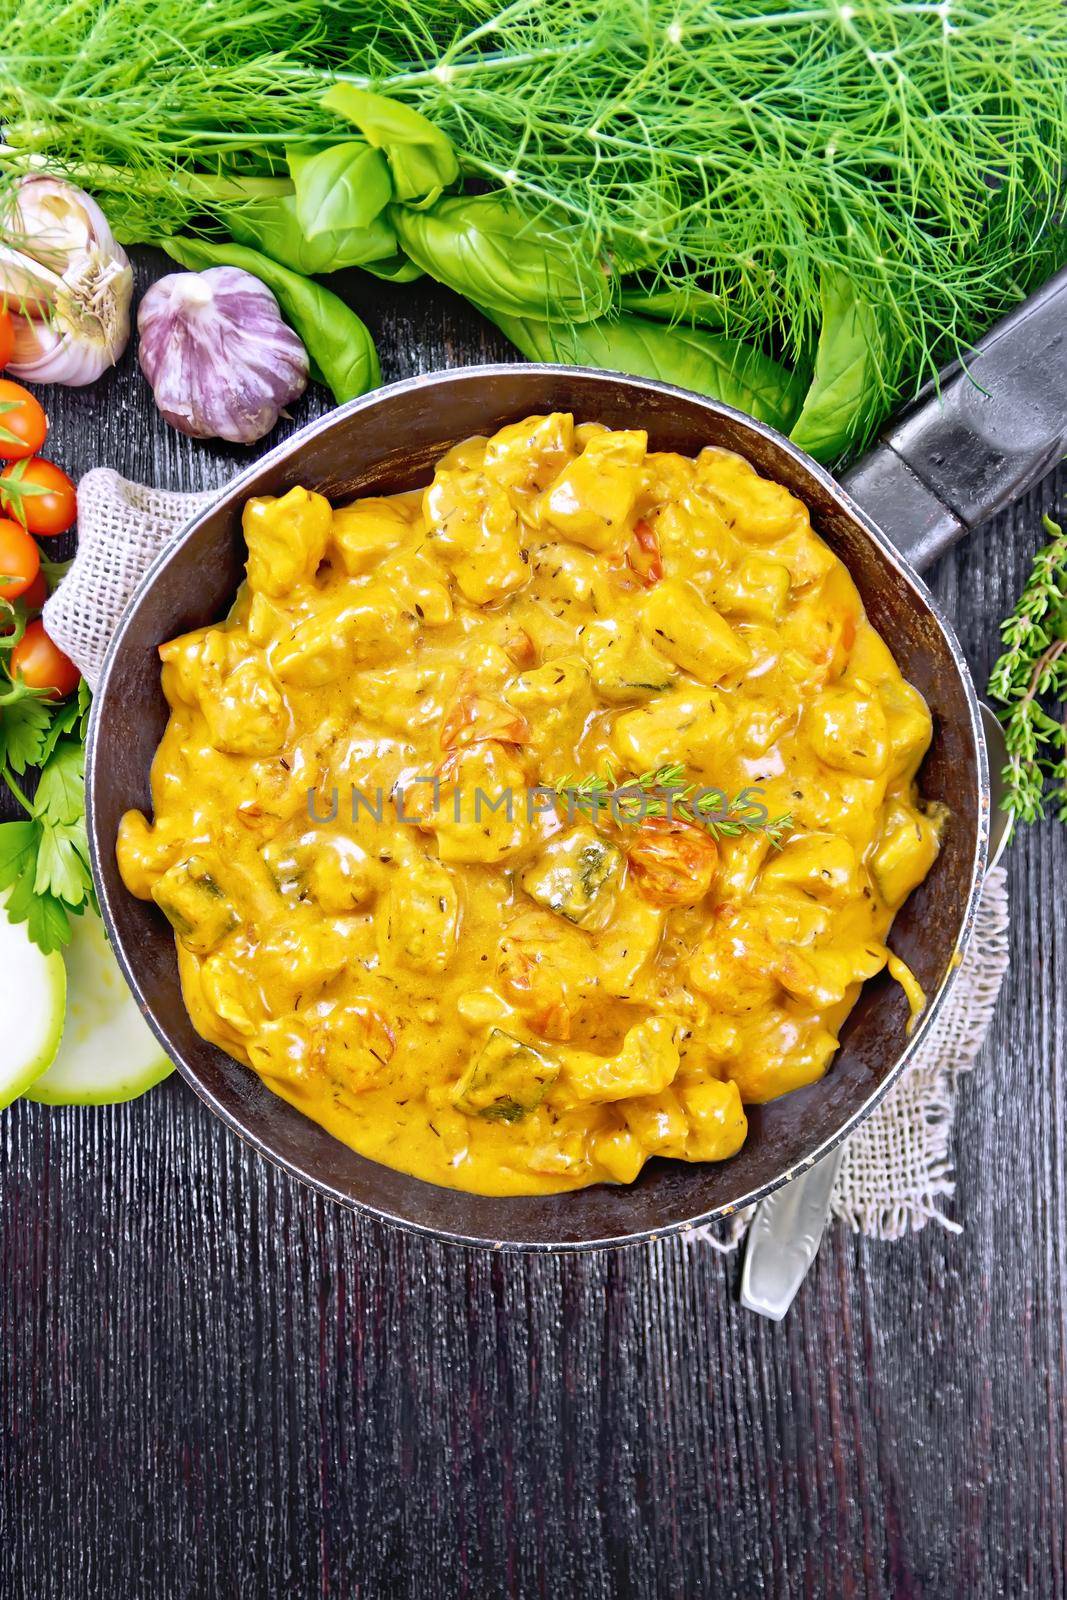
pixel 725 369
pixel 273 227
pixel 421 158
pixel 338 189
pixel 489 250
pixel 669 303
pixel 337 341
pixel 397 268
pixel 847 392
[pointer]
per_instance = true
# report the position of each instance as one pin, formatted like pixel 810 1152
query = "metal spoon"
pixel 785 1234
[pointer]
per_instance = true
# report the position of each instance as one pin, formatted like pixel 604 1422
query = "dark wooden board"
pixel 214 1384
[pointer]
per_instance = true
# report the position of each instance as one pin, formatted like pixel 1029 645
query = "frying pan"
pixel 389 440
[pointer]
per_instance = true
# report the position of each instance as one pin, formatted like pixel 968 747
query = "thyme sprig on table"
pixel 1030 682
pixel 664 792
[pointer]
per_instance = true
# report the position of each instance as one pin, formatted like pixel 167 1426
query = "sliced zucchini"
pixel 33 990
pixel 330 867
pixel 506 1080
pixel 576 876
pixel 108 1052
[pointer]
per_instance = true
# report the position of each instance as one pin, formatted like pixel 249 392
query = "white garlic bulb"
pixel 66 283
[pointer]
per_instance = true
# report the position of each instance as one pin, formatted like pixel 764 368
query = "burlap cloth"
pixel 897 1172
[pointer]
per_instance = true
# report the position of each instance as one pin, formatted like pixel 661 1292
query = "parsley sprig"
pixel 44 857
pixel 1030 682
pixel 665 792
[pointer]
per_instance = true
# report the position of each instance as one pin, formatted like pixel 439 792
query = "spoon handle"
pixel 784 1238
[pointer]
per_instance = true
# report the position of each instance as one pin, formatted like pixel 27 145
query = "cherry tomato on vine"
pixel 7 338
pixel 35 596
pixel 42 664
pixel 23 424
pixel 32 599
pixel 40 496
pixel 20 560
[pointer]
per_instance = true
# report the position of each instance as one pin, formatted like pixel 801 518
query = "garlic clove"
pixel 26 286
pixel 52 220
pixel 34 339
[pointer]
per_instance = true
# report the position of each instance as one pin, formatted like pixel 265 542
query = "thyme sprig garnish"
pixel 665 792
pixel 1030 682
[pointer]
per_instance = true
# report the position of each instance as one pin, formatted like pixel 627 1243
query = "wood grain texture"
pixel 212 1383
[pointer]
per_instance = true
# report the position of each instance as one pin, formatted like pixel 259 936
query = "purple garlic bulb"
pixel 221 362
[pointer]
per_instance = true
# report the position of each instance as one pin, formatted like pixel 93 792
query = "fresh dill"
pixel 745 153
pixel 1030 683
pixel 665 792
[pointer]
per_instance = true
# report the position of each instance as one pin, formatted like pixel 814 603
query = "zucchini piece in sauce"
pixel 506 1080
pixel 623 663
pixel 189 896
pixel 576 876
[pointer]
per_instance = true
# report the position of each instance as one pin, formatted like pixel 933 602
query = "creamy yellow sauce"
pixel 513 996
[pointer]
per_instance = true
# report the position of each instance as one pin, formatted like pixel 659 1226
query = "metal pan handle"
pixel 969 445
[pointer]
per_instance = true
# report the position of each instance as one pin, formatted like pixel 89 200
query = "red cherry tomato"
pixel 643 554
pixel 23 424
pixel 7 338
pixel 673 862
pixel 20 560
pixel 40 495
pixel 35 596
pixel 42 664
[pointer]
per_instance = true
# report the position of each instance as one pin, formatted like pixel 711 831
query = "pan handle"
pixel 970 444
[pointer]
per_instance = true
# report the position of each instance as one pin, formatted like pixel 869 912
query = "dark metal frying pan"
pixel 387 441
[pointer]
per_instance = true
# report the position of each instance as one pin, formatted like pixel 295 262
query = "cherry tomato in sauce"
pixel 673 863
pixel 643 555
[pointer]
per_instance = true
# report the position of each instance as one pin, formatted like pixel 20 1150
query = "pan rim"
pixel 284 453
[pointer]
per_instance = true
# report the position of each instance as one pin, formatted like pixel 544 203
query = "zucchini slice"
pixel 506 1080
pixel 108 1051
pixel 576 876
pixel 33 990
